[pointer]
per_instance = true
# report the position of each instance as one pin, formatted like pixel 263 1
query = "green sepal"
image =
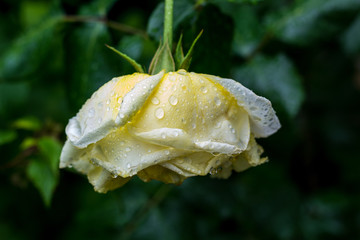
pixel 155 59
pixel 136 65
pixel 185 64
pixel 179 54
pixel 163 60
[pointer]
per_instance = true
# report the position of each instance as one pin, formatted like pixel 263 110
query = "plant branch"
pixel 111 24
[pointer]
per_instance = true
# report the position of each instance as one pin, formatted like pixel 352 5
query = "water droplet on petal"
pixel 128 165
pixel 119 100
pixel 173 100
pixel 193 125
pixel 180 161
pixel 217 101
pixel 99 120
pixel 91 112
pixel 108 101
pixel 128 149
pixel 167 152
pixel 155 101
pixel 203 89
pixel 163 136
pixel 108 109
pixel 159 113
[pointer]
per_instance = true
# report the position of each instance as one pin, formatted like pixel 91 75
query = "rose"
pixel 167 127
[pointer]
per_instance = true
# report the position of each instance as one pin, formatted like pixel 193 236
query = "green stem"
pixel 168 22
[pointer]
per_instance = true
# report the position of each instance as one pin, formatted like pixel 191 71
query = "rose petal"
pixel 103 181
pixel 264 121
pixel 135 99
pixel 98 116
pixel 192 113
pixel 161 174
pixel 124 155
pixel 249 158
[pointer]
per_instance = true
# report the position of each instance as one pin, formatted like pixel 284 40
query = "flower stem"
pixel 168 22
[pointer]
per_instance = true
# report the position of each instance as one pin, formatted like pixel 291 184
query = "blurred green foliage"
pixel 303 55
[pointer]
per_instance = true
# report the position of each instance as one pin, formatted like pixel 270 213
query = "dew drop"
pixel 99 120
pixel 122 115
pixel 167 152
pixel 91 112
pixel 155 101
pixel 112 94
pixel 180 161
pixel 193 125
pixel 128 165
pixel 212 171
pixel 203 89
pixel 173 100
pixel 119 100
pixel 128 149
pixel 159 113
pixel 108 109
pixel 163 136
pixel 122 143
pixel 217 101
pixel 108 101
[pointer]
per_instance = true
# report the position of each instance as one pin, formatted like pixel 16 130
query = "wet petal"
pixel 97 116
pixel 264 121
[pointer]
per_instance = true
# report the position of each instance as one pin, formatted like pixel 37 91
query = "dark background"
pixel 302 55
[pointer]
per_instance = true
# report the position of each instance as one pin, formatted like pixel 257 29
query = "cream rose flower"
pixel 167 127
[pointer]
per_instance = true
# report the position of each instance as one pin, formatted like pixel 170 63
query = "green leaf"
pixel 276 79
pixel 97 7
pixel 133 63
pixel 32 12
pixel 351 37
pixel 33 51
pixel 50 150
pixel 43 170
pixel 132 46
pixel 182 10
pixel 11 96
pixel 248 29
pixel 42 177
pixel 27 123
pixel 213 51
pixel 314 20
pixel 7 136
pixel 235 1
pixel 89 63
